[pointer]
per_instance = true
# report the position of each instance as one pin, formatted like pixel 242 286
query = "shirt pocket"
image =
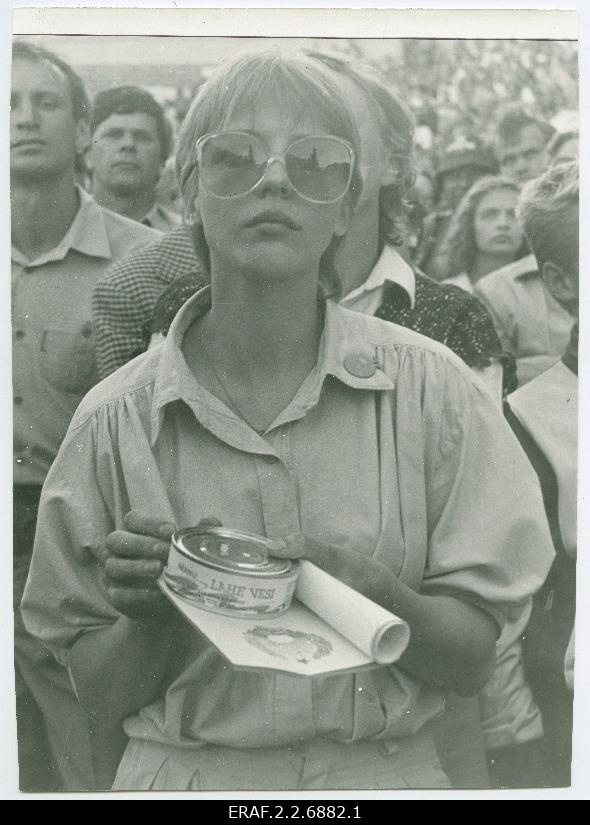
pixel 67 359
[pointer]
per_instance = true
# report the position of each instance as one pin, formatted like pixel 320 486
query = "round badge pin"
pixel 360 365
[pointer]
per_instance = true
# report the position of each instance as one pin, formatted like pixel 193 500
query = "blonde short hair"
pixel 548 209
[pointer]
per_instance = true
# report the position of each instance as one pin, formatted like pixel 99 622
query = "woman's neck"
pixel 263 326
pixel 256 345
pixel 484 264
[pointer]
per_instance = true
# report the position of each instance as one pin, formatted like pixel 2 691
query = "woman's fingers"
pixel 135 522
pixel 133 546
pixel 209 521
pixel 144 537
pixel 129 571
pixel 290 547
pixel 353 569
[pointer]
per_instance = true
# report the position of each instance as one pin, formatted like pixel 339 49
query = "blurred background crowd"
pixel 454 88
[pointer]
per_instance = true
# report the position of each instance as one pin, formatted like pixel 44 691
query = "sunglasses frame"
pixel 272 159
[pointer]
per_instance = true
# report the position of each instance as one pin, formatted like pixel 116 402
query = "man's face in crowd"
pixel 524 158
pixel 44 136
pixel 124 155
pixel 456 183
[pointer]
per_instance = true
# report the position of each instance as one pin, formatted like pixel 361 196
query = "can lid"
pixel 230 550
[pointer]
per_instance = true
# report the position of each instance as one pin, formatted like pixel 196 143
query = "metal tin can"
pixel 229 572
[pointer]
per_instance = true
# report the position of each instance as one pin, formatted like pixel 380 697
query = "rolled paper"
pixel 375 631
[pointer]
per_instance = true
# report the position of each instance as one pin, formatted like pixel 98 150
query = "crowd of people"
pixel 300 319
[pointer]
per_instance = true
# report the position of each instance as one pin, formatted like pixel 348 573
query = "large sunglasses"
pixel 231 164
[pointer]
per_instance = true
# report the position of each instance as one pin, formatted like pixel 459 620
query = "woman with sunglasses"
pixel 351 442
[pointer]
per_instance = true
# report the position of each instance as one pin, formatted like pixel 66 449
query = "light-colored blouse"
pixel 411 464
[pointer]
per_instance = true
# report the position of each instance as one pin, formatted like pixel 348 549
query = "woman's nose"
pixel 26 113
pixel 275 178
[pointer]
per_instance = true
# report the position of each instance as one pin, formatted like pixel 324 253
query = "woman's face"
pixel 271 232
pixel 495 226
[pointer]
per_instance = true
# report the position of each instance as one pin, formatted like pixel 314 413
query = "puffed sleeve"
pixel 98 476
pixel 488 537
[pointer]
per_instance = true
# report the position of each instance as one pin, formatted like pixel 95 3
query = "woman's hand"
pixel 120 668
pixel 134 559
pixel 365 575
pixel 452 643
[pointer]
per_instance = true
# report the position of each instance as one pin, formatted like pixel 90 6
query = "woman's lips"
pixel 28 142
pixel 270 218
pixel 126 164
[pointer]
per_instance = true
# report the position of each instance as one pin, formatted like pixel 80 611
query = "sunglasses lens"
pixel 319 168
pixel 232 164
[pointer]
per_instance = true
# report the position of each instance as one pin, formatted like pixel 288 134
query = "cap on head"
pixel 513 120
pixel 463 152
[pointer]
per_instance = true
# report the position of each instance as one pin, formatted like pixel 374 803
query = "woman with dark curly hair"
pixel 484 234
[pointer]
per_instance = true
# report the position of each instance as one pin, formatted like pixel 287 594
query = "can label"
pixel 231 592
